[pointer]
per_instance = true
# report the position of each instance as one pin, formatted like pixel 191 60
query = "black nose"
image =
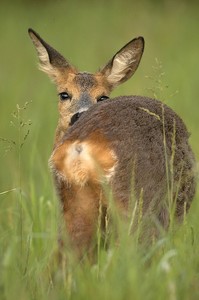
pixel 75 117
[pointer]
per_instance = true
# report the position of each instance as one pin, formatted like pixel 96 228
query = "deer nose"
pixel 75 117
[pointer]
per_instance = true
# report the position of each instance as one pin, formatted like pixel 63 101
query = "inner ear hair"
pixel 125 62
pixel 51 61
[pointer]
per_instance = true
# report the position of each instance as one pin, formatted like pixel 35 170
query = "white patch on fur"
pixel 83 109
pixel 79 166
pixel 111 172
pixel 78 162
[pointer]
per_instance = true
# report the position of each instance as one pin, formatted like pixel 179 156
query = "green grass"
pixel 88 33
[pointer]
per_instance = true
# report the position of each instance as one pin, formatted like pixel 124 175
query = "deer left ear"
pixel 50 60
pixel 124 63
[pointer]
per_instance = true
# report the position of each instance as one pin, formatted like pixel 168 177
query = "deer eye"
pixel 64 96
pixel 102 98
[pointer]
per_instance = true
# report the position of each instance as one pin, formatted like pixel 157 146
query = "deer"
pixel 136 145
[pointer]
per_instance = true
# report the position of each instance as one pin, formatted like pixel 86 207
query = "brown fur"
pixel 90 160
pixel 119 142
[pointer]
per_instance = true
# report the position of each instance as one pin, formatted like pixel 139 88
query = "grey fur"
pixel 85 81
pixel 134 127
pixel 84 102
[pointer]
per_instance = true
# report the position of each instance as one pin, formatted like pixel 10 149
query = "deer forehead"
pixel 85 81
pixel 82 82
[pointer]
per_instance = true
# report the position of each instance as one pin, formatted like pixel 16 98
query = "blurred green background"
pixel 88 34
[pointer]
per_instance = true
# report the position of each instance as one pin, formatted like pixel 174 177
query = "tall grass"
pixel 89 33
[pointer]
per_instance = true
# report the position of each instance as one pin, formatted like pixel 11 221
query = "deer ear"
pixel 124 63
pixel 50 61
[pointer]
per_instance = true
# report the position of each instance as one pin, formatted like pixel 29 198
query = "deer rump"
pixel 135 144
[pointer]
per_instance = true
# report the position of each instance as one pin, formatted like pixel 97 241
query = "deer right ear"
pixel 51 61
pixel 124 63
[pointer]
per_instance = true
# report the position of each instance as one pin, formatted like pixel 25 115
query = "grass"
pixel 88 34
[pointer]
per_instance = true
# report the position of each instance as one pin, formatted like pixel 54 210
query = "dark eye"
pixel 64 96
pixel 102 98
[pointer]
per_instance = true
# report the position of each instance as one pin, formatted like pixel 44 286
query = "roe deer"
pixel 137 145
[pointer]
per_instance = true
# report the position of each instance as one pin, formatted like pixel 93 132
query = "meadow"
pixel 88 33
